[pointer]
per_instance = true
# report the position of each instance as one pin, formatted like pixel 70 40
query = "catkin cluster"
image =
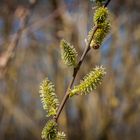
pixel 89 83
pixel 50 104
pixel 102 22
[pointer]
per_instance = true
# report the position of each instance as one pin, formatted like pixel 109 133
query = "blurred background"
pixel 30 33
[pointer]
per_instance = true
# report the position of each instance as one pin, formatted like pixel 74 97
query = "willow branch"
pixel 76 70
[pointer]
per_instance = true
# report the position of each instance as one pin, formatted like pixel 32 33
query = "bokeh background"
pixel 30 33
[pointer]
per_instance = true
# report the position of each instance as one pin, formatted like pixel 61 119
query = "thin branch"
pixel 76 70
pixel 108 1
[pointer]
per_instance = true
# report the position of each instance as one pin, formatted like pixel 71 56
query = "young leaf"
pixel 48 97
pixel 68 53
pixel 89 82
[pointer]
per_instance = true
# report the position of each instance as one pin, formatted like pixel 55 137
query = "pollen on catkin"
pixel 61 136
pixel 100 15
pixel 49 132
pixel 103 27
pixel 100 34
pixel 68 53
pixel 89 82
pixel 48 97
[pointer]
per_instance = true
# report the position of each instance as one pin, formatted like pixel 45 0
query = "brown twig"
pixel 76 70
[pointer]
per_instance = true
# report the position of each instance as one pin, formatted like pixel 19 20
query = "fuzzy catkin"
pixel 102 22
pixel 68 53
pixel 89 82
pixel 49 132
pixel 48 97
